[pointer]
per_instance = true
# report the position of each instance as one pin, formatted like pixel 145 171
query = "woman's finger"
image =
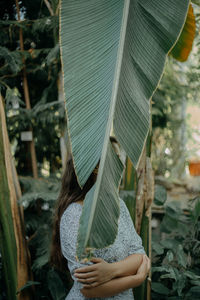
pixel 88 280
pixel 91 285
pixel 96 259
pixel 85 269
pixel 85 275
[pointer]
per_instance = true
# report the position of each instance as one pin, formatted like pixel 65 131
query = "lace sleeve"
pixel 68 237
pixel 135 240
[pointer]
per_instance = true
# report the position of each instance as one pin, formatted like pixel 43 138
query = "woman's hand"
pixel 96 274
pixel 101 272
pixel 119 284
pixel 144 268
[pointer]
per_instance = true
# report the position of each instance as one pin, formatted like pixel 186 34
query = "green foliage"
pixel 56 286
pixel 38 200
pixel 29 283
pixel 160 195
pixel 41 58
pixel 178 88
pixel 176 271
pixel 12 61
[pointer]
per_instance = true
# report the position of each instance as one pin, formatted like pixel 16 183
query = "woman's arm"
pixel 113 287
pixel 119 285
pixel 101 271
pixel 127 266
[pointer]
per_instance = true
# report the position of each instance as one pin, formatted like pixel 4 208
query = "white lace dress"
pixel 127 242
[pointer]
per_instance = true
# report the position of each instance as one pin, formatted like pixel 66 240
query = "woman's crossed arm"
pixel 101 271
pixel 104 280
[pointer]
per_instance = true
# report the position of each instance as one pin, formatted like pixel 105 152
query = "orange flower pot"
pixel 194 168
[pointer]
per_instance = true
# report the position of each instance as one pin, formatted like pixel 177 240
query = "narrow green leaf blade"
pixel 99 219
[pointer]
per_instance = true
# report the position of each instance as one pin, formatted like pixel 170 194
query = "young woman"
pixel 114 270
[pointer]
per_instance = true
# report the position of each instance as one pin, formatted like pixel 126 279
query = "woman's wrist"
pixel 115 269
pixel 138 279
pixel 140 276
pixel 114 286
pixel 127 266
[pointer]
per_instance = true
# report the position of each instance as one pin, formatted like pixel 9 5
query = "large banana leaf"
pixel 113 56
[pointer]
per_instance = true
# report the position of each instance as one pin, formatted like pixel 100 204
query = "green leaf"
pixel 192 275
pixel 168 224
pixel 28 283
pixel 194 293
pixel 160 288
pixel 12 58
pixel 115 65
pixel 169 244
pixel 113 55
pixel 160 195
pixel 53 55
pixel 173 209
pixel 179 284
pixel 8 248
pixel 195 282
pixel 196 211
pixel 181 256
pixel 95 221
pixel 160 269
pixel 168 269
pixel 56 286
pixel 157 248
pixel 40 261
pixel 170 256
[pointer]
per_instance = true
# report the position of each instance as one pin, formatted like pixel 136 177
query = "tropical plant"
pixel 13 244
pixel 9 248
pixel 110 72
pixel 41 58
pixel 178 88
pixel 38 200
pixel 176 271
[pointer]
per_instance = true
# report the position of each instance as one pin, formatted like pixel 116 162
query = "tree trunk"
pixel 180 139
pixel 15 254
pixel 27 99
pixel 144 199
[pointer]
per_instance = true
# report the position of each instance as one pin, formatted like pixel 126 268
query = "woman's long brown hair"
pixel 70 192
